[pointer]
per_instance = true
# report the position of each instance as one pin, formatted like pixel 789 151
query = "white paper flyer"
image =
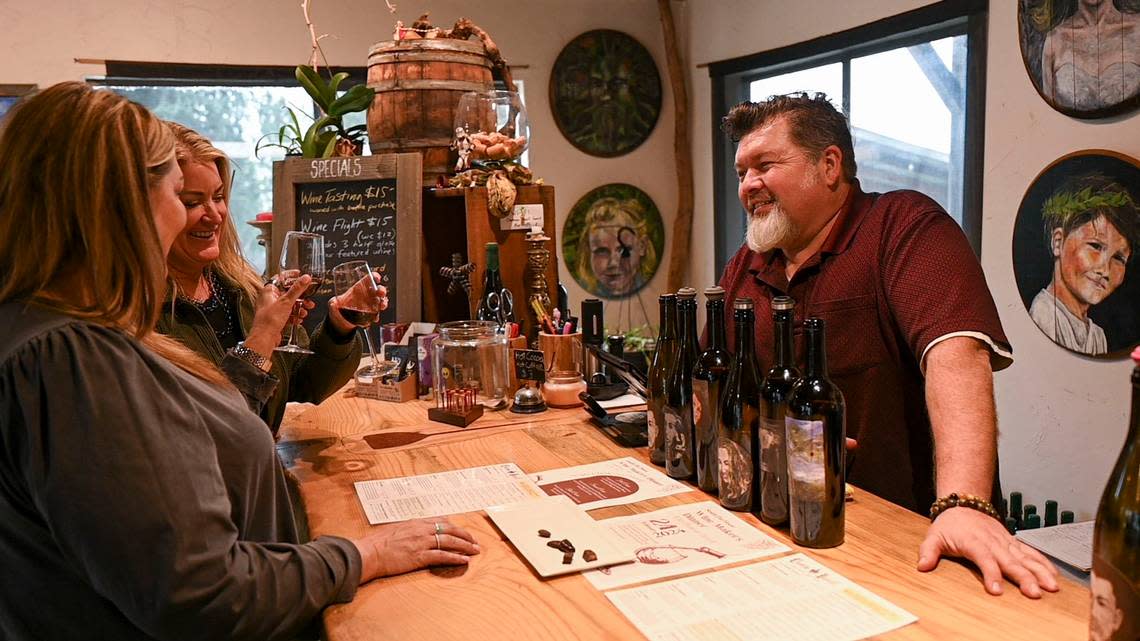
pixel 426 495
pixel 681 539
pixel 792 598
pixel 608 483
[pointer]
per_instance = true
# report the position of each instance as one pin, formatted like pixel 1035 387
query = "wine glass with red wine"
pixel 355 284
pixel 302 254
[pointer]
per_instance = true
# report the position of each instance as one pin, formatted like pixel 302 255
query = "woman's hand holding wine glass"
pixel 273 309
pixel 302 256
pixel 359 300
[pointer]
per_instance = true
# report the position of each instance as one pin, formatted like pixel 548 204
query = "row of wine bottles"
pixel 770 444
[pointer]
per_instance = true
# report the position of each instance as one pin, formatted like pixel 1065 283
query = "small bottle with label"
pixel 709 376
pixel 814 437
pixel 680 435
pixel 663 356
pixel 774 392
pixel 740 417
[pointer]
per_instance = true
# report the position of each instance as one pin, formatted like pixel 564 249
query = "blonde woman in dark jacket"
pixel 218 306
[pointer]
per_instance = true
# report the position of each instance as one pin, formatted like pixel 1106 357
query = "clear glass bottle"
pixel 737 445
pixel 709 375
pixel 680 449
pixel 1115 581
pixel 663 355
pixel 774 391
pixel 817 458
pixel 471 355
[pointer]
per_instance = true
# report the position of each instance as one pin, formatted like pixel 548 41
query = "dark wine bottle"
pixel 494 303
pixel 737 445
pixel 814 436
pixel 1115 582
pixel 680 449
pixel 709 375
pixel 663 355
pixel 774 391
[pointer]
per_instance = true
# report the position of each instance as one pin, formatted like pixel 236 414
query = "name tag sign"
pixel 530 365
pixel 523 218
pixel 367 208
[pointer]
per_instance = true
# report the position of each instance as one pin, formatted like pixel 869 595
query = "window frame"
pixel 731 80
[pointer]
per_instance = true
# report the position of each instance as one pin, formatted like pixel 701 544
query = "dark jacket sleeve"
pixel 330 366
pixel 123 470
pixel 254 385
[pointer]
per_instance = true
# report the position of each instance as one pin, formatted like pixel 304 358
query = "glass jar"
pixel 562 355
pixel 491 126
pixel 561 390
pixel 470 355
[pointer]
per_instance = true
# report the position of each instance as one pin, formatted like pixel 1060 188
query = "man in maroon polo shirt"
pixel 913 335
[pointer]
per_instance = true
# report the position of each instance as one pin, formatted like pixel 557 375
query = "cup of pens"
pixel 562 356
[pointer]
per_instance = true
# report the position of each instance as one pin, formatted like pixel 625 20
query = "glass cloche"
pixel 490 127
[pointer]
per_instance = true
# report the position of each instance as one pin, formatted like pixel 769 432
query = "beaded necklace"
pixel 218 310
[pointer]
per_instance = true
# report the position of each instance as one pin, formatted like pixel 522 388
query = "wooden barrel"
pixel 418 84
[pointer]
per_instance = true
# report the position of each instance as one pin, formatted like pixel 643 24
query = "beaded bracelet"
pixel 962 500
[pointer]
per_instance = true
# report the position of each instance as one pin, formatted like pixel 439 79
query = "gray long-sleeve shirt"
pixel 139 502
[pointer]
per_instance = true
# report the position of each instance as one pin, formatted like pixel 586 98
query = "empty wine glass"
pixel 355 284
pixel 302 253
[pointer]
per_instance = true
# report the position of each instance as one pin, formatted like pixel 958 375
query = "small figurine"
pixel 462 145
pixel 460 275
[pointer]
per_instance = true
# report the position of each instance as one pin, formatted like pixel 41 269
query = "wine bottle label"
pixel 805 458
pixel 735 469
pixel 1115 604
pixel 654 431
pixel 678 444
pixel 772 445
pixel 706 419
pixel 705 408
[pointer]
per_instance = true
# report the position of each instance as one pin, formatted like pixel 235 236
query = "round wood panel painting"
pixel 605 93
pixel 1082 55
pixel 1074 252
pixel 612 240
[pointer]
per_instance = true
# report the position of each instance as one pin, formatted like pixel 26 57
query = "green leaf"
pixel 356 99
pixel 334 83
pixel 315 86
pixel 329 147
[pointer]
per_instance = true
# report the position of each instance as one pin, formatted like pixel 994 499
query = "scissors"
pixel 501 304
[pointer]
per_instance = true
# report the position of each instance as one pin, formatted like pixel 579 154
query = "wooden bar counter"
pixel 498 597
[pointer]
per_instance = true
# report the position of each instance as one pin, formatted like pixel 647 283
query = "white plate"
pixel 520 522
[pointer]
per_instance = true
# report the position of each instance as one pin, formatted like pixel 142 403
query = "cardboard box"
pixel 394 392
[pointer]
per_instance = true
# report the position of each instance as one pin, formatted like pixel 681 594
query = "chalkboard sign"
pixel 529 365
pixel 367 208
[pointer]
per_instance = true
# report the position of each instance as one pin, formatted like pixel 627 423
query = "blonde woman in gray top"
pixel 139 496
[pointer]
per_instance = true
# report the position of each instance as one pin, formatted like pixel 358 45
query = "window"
pixel 912 89
pixel 234 107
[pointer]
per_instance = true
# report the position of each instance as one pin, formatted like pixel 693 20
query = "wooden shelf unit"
pixel 457 220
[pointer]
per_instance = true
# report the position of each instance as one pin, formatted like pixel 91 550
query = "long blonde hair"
pixel 193 147
pixel 77 234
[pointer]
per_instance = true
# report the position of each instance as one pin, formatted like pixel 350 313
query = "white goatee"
pixel 767 232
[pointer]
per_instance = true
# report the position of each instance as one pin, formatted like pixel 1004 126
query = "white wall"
pixel 43 37
pixel 1063 418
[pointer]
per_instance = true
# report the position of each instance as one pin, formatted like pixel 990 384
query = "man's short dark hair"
pixel 815 124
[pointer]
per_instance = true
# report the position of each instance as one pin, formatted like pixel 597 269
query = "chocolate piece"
pixel 589 555
pixel 557 545
pixel 544 534
pixel 567 558
pixel 567 546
